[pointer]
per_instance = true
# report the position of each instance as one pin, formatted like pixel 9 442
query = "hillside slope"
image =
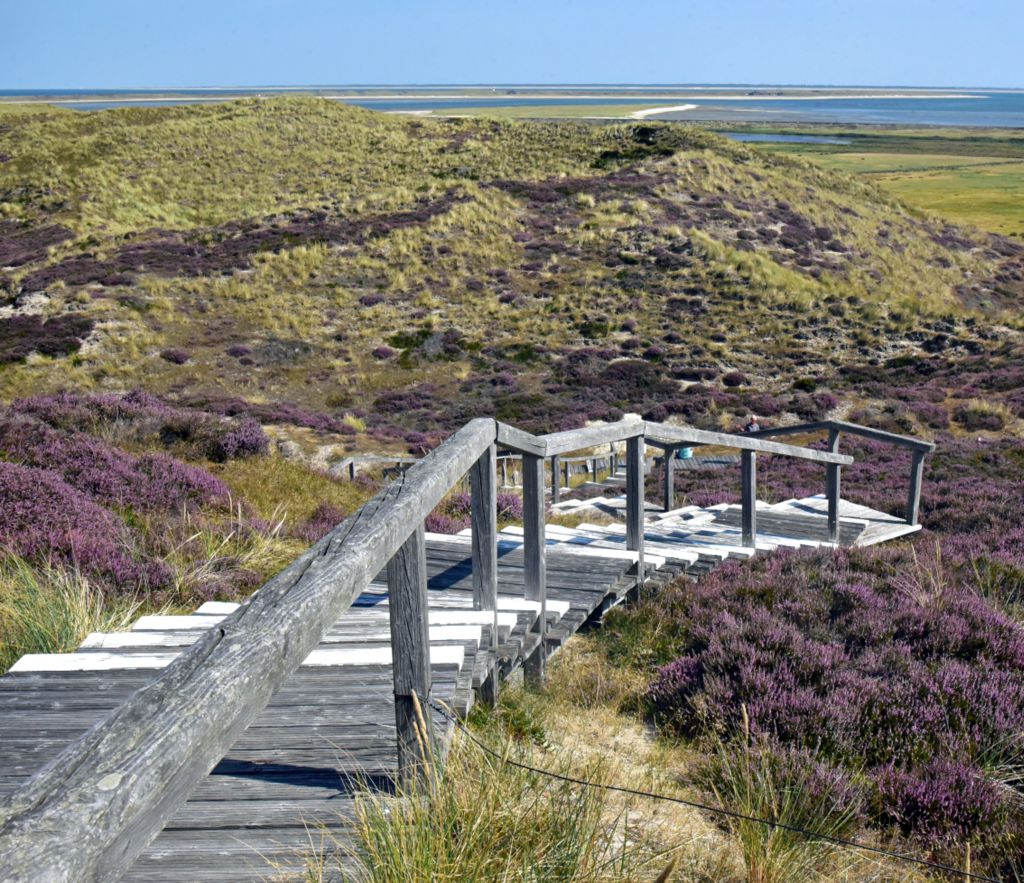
pixel 416 272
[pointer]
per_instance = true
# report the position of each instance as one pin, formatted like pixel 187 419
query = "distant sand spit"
pixel 652 111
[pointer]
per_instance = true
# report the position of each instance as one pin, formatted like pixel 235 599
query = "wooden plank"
pixel 111 792
pixel 747 442
pixel 484 503
pixel 670 478
pixel 534 551
pixel 555 479
pixel 903 441
pixel 748 467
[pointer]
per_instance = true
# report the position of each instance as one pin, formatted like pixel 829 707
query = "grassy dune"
pixel 344 255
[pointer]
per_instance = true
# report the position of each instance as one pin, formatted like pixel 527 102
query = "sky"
pixel 193 43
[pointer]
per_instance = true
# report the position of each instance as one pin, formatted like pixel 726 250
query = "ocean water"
pixel 980 108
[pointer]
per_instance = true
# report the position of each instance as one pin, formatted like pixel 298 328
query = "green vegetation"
pixel 50 609
pixel 299 250
pixel 967 176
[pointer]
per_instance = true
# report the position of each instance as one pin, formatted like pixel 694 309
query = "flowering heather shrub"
pixel 978 415
pixel 147 482
pixel 238 350
pixel 510 506
pixel 323 519
pixel 383 352
pixel 273 413
pixel 146 419
pixel 46 518
pixel 20 336
pixel 22 244
pixel 858 657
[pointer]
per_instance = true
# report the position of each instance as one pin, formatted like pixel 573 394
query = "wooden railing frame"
pixel 89 813
pixel 920 448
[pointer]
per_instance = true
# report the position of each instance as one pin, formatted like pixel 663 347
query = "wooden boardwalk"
pixel 304 694
pixel 285 788
pixel 284 792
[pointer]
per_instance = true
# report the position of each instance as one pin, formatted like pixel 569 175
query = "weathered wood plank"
pixel 519 441
pixel 635 501
pixel 914 491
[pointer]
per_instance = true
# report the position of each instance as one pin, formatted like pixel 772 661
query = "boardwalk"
pixel 227 745
pixel 284 791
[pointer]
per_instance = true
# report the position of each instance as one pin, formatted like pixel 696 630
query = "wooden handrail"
pixel 662 432
pixel 891 438
pixel 89 813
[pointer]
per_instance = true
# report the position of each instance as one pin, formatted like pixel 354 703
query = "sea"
pixel 899 107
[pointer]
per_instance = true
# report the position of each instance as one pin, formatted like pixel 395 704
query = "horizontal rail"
pixel 665 433
pixel 577 439
pixel 88 814
pixel 903 441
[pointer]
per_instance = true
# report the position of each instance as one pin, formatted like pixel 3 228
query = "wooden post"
pixel 410 652
pixel 555 461
pixel 748 481
pixel 535 576
pixel 635 501
pixel 670 478
pixel 914 493
pixel 832 492
pixel 567 474
pixel 484 503
pixel 351 470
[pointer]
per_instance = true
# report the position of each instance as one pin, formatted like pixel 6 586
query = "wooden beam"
pixel 903 441
pixel 748 472
pixel 410 654
pixel 484 511
pixel 519 441
pixel 577 439
pixel 91 811
pixel 635 501
pixel 749 442
pixel 914 491
pixel 555 478
pixel 534 567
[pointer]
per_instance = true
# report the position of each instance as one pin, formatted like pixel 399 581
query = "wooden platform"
pixel 284 792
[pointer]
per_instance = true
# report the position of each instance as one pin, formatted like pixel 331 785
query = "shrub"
pixel 978 415
pixel 20 336
pixel 47 520
pixel 175 356
pixel 734 378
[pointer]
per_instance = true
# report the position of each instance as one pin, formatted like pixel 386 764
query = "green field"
pixel 962 176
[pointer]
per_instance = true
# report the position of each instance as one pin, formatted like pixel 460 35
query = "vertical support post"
pixel 555 477
pixel 351 470
pixel 410 653
pixel 748 480
pixel 504 471
pixel 567 474
pixel 832 488
pixel 670 478
pixel 484 506
pixel 534 568
pixel 914 493
pixel 832 492
pixel 635 501
pixel 613 458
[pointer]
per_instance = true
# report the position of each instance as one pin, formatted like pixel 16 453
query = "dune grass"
pixel 49 609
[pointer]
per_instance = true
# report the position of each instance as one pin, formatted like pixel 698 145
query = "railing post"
pixel 567 475
pixel 555 478
pixel 832 492
pixel 670 478
pixel 410 653
pixel 534 548
pixel 832 488
pixel 748 480
pixel 914 493
pixel 484 505
pixel 635 501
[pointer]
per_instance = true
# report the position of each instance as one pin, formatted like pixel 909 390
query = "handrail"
pixel 904 441
pixel 89 813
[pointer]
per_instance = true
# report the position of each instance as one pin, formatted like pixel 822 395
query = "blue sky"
pixel 121 43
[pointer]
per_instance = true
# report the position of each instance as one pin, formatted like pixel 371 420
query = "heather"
pixel 900 668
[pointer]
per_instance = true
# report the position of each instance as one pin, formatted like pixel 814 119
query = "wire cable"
pixel 717 810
